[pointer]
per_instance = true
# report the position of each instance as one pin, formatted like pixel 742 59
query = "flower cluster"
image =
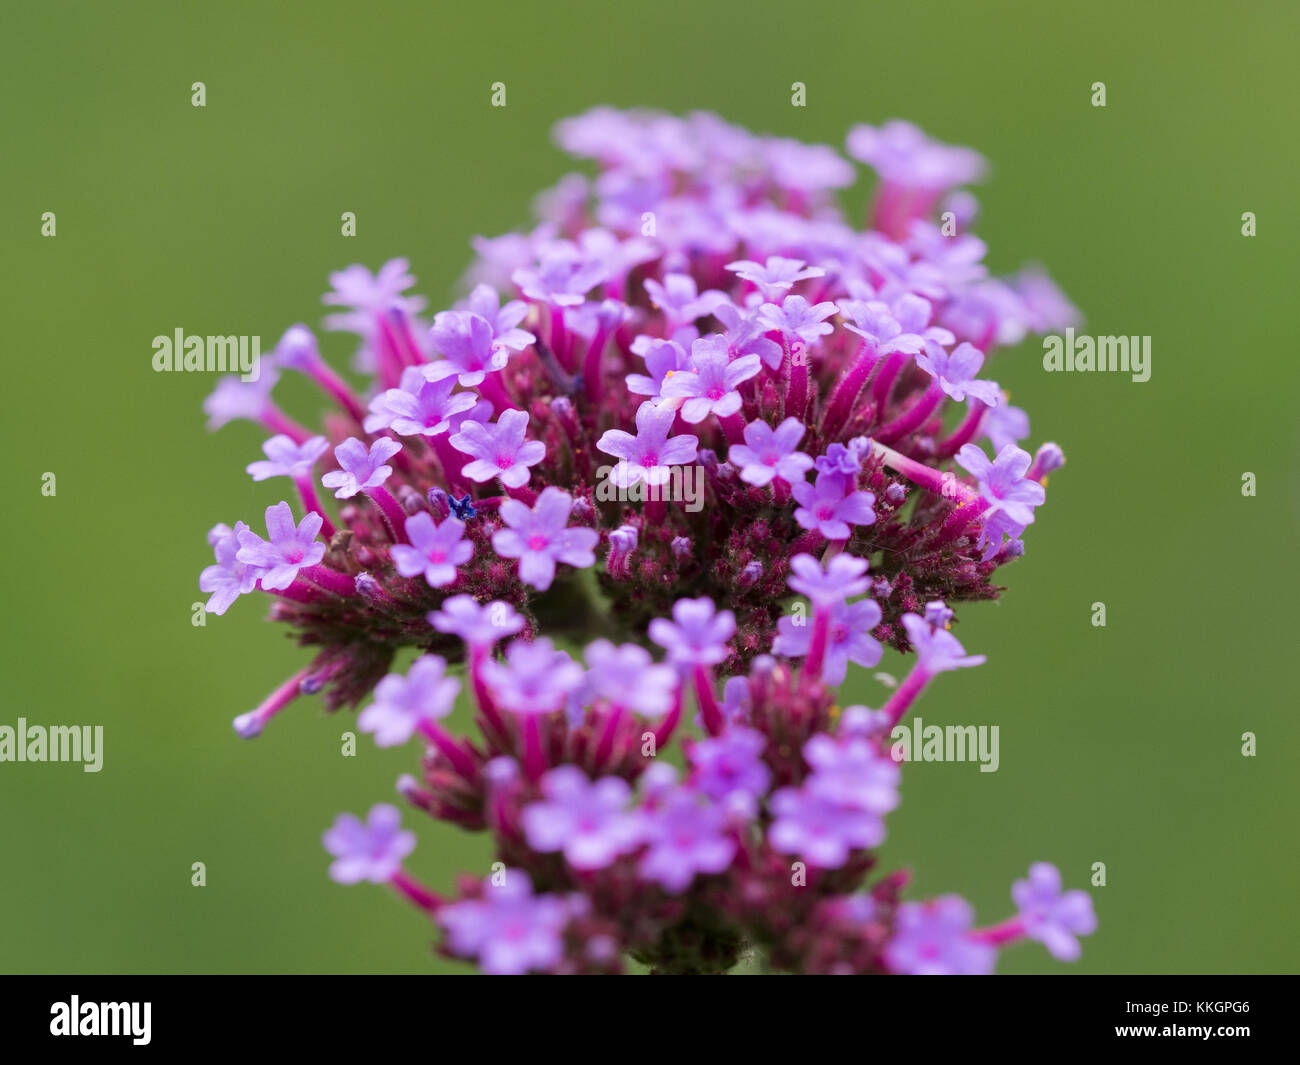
pixel 698 313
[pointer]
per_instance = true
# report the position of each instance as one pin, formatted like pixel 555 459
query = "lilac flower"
pixel 485 302
pixel 937 650
pixel 1053 918
pixel 841 579
pixel 797 319
pixel 371 850
pixel 680 299
pixel 480 626
pixel 540 537
pixel 648 455
pixel 499 450
pixel 698 633
pixel 420 407
pixel 588 820
pixel 435 550
pixel 1004 424
pixel 831 505
pixel 234 399
pixel 287 459
pixel 288 549
pixel 468 346
pixel 401 703
pixel 902 327
pixel 938 614
pixel 853 773
pixel 776 276
pixel 933 939
pixel 534 679
pixel 509 931
pixel 850 639
pixel 362 468
pixel 663 358
pixel 769 453
pixel 368 295
pixel 821 832
pixel 842 460
pixel 297 350
pixel 1049 309
pixel 626 676
pixel 709 387
pixel 685 837
pixel 562 278
pixel 745 335
pixel 1002 482
pixel 731 763
pixel 229 578
pixel 955 373
pixel 903 155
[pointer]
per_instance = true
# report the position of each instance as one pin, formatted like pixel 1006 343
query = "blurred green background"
pixel 1119 745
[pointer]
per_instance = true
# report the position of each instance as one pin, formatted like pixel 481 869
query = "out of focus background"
pixel 1119 745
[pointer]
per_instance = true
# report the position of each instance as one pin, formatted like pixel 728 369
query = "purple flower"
pixel 933 939
pixel 680 299
pixel 775 277
pixel 297 350
pixel 731 763
pixel 562 278
pixel 1053 918
pixel 938 614
pixel 685 837
pixel 368 295
pixel 372 850
pixel 768 453
pixel 420 407
pixel 903 155
pixel 850 639
pixel 499 450
pixel 234 399
pixel 588 820
pixel 698 633
pixel 401 703
pixel 288 549
pixel 955 373
pixel 534 679
pixel 361 468
pixel 626 676
pixel 821 832
pixel 468 347
pixel 831 505
pixel 1004 424
pixel 540 538
pixel 480 626
pixel 841 579
pixel 435 550
pixel 648 455
pixel 485 302
pixel 229 578
pixel 663 359
pixel 1002 482
pixel 901 327
pixel 796 318
pixel 745 335
pixel 509 931
pixel 937 650
pixel 709 387
pixel 287 459
pixel 852 772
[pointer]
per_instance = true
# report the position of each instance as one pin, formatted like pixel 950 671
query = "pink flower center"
pixel 504 462
pixel 536 542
